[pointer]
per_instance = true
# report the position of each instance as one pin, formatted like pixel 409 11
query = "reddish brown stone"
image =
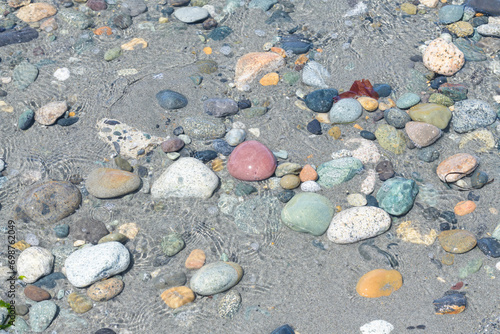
pixel 251 161
pixel 172 145
pixel 35 293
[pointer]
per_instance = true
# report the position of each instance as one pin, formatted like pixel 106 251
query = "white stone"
pixel 356 200
pixel 49 113
pixel 255 132
pixel 489 30
pixel 359 9
pixel 310 186
pixel 91 264
pixel 314 74
pixel 429 3
pixel 191 14
pixel 367 152
pixel 498 265
pixel 368 184
pixel 377 327
pixel 443 57
pixel 33 263
pixel 2 165
pixel 62 74
pixel 187 177
pixel 357 224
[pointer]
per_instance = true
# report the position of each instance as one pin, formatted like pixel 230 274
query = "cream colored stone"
pixel 133 43
pixel 443 58
pixel 429 3
pixel 35 12
pixel 49 113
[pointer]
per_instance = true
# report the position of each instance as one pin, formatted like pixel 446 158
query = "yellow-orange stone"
pixel 196 259
pixel 308 174
pixel 379 282
pixel 34 12
pixel 368 103
pixel 254 63
pixel 270 79
pixel 464 207
pixel 177 296
pixel 129 46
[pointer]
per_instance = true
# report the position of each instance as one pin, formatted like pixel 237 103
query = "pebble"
pixel 208 155
pixel 220 107
pixel 41 315
pixel 170 280
pixel 229 305
pixel 472 114
pixel 35 293
pixel 378 283
pixel 489 30
pixel 390 138
pixel 296 43
pixel 110 183
pixel 396 117
pixel 290 181
pixel 244 189
pixel 308 173
pixel 368 103
pixel 450 13
pixel 489 246
pixel 441 99
pixel 396 196
pixel 367 151
pixel 443 58
pixel 23 35
pixel 186 177
pixel 49 113
pixel 91 264
pixel 134 7
pixel 457 241
pixel 35 12
pixel 75 18
pixel 345 111
pixel 407 100
pixel 105 331
pixel 422 134
pixel 314 127
pixel 288 168
pixel 310 186
pixel 177 296
pixel 450 303
pixel 62 74
pixel 356 200
pixel 203 127
pixel 479 179
pixel 314 74
pixel 122 164
pixel 337 171
pixel 251 161
pixel 308 212
pixel 26 119
pixel 383 90
pixel 431 113
pixel 216 277
pixel 368 184
pixel 249 66
pixel 438 81
pixel 254 112
pixel 196 259
pixel 461 29
pixel 234 137
pixel 168 99
pixel 456 92
pixel 79 303
pixel 321 100
pixel 88 229
pixel 377 327
pixel 456 167
pixel 285 195
pixel 191 14
pixel 464 208
pixel 172 244
pixel 367 135
pixel 285 329
pixel 33 263
pixel 105 290
pixel 358 223
pixel 172 145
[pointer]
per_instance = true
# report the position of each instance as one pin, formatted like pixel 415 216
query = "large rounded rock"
pixel 187 177
pixel 109 182
pixel 216 277
pixel 91 264
pixel 456 167
pixel 251 161
pixel 33 263
pixel 357 224
pixel 396 196
pixel 443 58
pixel 48 202
pixel 41 315
pixel 219 107
pixel 308 212
pixel 471 114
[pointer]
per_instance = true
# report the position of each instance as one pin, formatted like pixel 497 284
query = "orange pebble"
pixel 279 51
pixel 357 126
pixel 465 207
pixel 207 50
pixel 308 174
pixel 301 60
pixel 270 79
pixel 196 259
pixel 103 31
pixel 379 282
pixel 71 114
pixel 177 296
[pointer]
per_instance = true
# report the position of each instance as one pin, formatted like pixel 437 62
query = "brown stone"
pixel 422 134
pixel 79 303
pixel 172 145
pixel 105 290
pixel 35 293
pixel 456 167
pixel 196 259
pixel 457 241
pixel 252 64
pixel 34 12
pixel 290 181
pixel 177 296
pixel 18 3
pixel 109 182
pixel 49 113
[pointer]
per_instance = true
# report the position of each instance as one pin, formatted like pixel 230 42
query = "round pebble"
pixel 290 181
pixel 457 241
pixel 407 100
pixel 378 283
pixel 196 259
pixel 345 111
pixel 251 161
pixel 356 199
pixel 168 99
pixel 216 277
pixel 235 137
pixel 464 208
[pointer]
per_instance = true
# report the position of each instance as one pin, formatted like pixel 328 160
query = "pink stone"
pixel 251 161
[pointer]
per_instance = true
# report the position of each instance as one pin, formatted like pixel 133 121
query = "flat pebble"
pixel 168 99
pixel 105 290
pixel 321 100
pixel 379 282
pixel 310 186
pixel 456 167
pixel 50 112
pixel 396 117
pixel 450 13
pixel 172 145
pixel 450 303
pixel 235 137
pixel 172 244
pixel 109 182
pixel 220 107
pixel 345 111
pixel 41 315
pixel 229 305
pixel 407 100
pixel 390 138
pixel 216 277
pixel 191 14
pixel 356 200
pixel 337 171
pixel 422 134
pixel 88 229
pixel 457 241
pixel 314 74
pixel 177 296
pixel 377 327
pixel 489 246
pixel 196 259
pixel 290 181
pixel 35 293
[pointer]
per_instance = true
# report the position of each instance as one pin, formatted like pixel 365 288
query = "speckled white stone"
pixel 368 184
pixel 367 151
pixel 310 186
pixel 62 74
pixel 377 327
pixel 314 74
pixel 356 200
pixel 33 263
pixel 235 136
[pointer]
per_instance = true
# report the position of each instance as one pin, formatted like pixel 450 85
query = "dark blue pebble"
pixel 169 99
pixel 321 100
pixel 478 179
pixel 371 201
pixel 473 197
pixel 279 16
pixel 49 281
pixel 62 230
pixel 296 43
pixel 449 216
pixel 111 122
pixel 178 131
pixel 18 36
pixel 314 127
pixel 285 195
pixel 383 90
pixel 285 329
pixel 2 92
pixel 435 83
pixel 244 104
pixel 431 213
pixel 444 226
pixel 105 331
pixel 478 21
pixel 67 121
pixel 449 302
pixel 26 119
pixel 222 147
pixel 318 244
pixel 491 7
pixel 367 135
pixel 489 246
pixel 219 33
pixel 205 156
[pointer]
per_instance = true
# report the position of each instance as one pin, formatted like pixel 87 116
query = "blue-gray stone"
pixel 478 179
pixel 235 136
pixel 279 16
pixel 450 13
pixel 216 277
pixel 169 99
pixel 172 244
pixel 470 50
pixel 396 117
pixel 219 33
pixel 222 147
pixel 67 121
pixel 314 127
pixel 220 107
pixel 489 246
pixel 396 196
pixel 205 155
pixel 407 100
pixel 41 315
pixel 383 90
pixel 134 7
pixel 49 281
pixel 285 329
pixel 26 119
pixel 345 111
pixel 296 43
pixel 24 75
pixel 20 326
pixel 472 114
pixel 428 154
pixel 18 36
pixel 491 7
pixel 62 230
pixel 265 5
pixel 191 14
pixel 337 171
pixel 285 195
pixel 321 100
pixel 367 135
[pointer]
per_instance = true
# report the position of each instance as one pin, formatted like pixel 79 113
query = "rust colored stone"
pixel 35 293
pixel 464 208
pixel 177 296
pixel 308 174
pixel 196 259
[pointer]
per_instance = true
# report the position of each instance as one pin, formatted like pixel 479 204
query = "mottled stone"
pixel 177 296
pixel 457 241
pixel 390 138
pixel 422 134
pixel 443 57
pixel 35 293
pixel 79 303
pixel 229 305
pixel 203 127
pixel 337 171
pixel 33 263
pixel 35 12
pixel 41 315
pixel 109 183
pixel 396 196
pixel 471 114
pixel 105 290
pixel 456 167
pixel 431 113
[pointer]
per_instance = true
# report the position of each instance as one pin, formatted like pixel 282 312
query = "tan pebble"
pixel 302 105
pixel 461 28
pixel 177 296
pixel 163 20
pixel 323 117
pixel 413 234
pixel 78 243
pixel 21 245
pixel 383 106
pixel 35 12
pixel 5 107
pixel 18 3
pixel 368 184
pixel 456 167
pixel 105 290
pixel 290 181
pixel 422 134
pixel 356 200
pixel 308 173
pixel 429 3
pixel 334 131
pixel 133 43
pixel 196 259
pixel 448 259
pixel 49 113
pixel 457 241
pixel 493 211
pixel 368 103
pixel 79 303
pixel 129 230
pixel 217 164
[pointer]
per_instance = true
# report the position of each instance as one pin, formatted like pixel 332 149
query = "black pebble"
pixel 367 135
pixel 142 171
pixel 285 195
pixel 18 36
pixel 67 121
pixel 489 246
pixel 371 201
pixel 452 302
pixel 178 131
pixel 473 197
pixel 444 226
pixel 205 156
pixel 105 331
pixel 314 127
pixel 244 104
pixel 431 213
pixel 438 82
pixel 449 216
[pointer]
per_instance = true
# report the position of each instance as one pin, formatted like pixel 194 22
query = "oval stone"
pixel 422 134
pixel 177 296
pixel 308 212
pixel 431 113
pixel 168 99
pixel 345 111
pixel 191 14
pixel 109 182
pixel 220 107
pixel 35 293
pixel 457 241
pixel 251 161
pixel 396 196
pixel 79 303
pixel 379 282
pixel 105 290
pixel 216 277
pixel 33 263
pixel 358 223
pixel 456 167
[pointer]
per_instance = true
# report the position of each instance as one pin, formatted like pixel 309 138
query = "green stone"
pixel 409 8
pixel 26 119
pixel 291 78
pixel 117 236
pixel 441 99
pixel 172 244
pixel 309 213
pixel 334 172
pixel 396 196
pixel 390 138
pixel 470 268
pixel 123 164
pixel 244 189
pixel 431 113
pixel 253 112
pixel 199 3
pixel 113 53
pixel 417 81
pixel 24 75
pixel 288 168
pixel 207 66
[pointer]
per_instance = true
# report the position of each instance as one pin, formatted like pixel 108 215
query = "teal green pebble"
pixel 26 119
pixel 308 213
pixel 396 196
pixel 216 277
pixel 172 244
pixel 334 172
pixel 112 53
pixel 41 315
pixel 407 100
